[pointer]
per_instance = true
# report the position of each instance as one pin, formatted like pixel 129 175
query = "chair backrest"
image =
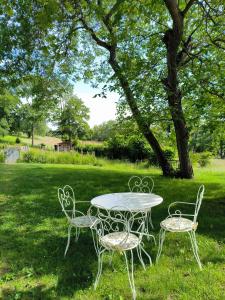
pixel 67 200
pixel 141 184
pixel 119 218
pixel 200 195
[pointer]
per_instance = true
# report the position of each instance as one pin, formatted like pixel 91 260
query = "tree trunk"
pixel 32 135
pixel 143 126
pixel 172 39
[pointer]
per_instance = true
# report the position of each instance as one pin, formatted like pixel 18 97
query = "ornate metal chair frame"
pixel 117 227
pixel 76 218
pixel 183 224
pixel 142 185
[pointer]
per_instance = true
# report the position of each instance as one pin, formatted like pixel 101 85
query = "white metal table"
pixel 135 202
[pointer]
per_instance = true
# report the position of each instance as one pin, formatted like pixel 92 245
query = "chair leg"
pixel 195 247
pixel 77 234
pixel 100 259
pixel 148 221
pixel 131 273
pixel 150 218
pixel 146 253
pixel 111 258
pixel 68 240
pixel 162 234
pixel 140 257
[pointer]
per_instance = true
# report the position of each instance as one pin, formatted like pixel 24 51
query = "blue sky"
pixel 101 109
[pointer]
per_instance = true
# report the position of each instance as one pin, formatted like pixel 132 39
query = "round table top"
pixel 127 201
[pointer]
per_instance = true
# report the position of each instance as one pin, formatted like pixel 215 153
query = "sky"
pixel 101 109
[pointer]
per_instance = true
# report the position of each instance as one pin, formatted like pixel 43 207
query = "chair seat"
pixel 120 241
pixel 83 221
pixel 178 224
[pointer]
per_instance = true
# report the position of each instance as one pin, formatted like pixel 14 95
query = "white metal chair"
pixel 177 222
pixel 119 230
pixel 144 184
pixel 76 218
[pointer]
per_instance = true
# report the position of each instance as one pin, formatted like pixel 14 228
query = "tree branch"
pixel 188 6
pixel 94 36
pixel 114 8
pixel 175 13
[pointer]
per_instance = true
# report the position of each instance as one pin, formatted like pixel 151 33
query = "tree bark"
pixel 32 135
pixel 172 40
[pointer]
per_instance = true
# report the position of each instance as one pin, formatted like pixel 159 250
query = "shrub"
pixel 51 157
pixel 18 140
pixel 100 150
pixel 170 154
pixel 204 159
pixel 2 157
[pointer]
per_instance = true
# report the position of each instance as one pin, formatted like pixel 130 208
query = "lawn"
pixel 33 235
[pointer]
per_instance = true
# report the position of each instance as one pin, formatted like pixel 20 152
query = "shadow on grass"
pixel 33 230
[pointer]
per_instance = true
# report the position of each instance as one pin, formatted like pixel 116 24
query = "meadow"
pixel 33 235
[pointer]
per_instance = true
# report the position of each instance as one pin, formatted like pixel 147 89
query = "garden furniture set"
pixel 120 222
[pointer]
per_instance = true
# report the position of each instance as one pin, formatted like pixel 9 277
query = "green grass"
pixel 33 234
pixel 52 157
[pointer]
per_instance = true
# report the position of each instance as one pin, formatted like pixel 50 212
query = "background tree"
pixel 72 119
pixel 39 98
pixel 103 131
pixel 8 104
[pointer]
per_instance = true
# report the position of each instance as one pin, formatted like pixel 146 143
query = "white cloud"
pixel 101 110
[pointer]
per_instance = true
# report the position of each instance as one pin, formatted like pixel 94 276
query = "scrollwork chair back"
pixel 141 184
pixel 115 220
pixel 67 200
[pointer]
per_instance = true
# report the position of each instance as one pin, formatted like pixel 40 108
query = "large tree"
pixel 156 54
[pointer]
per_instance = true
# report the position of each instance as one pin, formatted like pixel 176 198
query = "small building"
pixel 63 146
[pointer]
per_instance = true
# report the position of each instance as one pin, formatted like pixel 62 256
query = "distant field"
pixel 47 140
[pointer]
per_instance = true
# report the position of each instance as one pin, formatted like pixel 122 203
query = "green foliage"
pixel 2 156
pixel 18 140
pixel 100 150
pixel 104 131
pixel 203 159
pixel 51 157
pixel 133 148
pixel 8 103
pixel 72 118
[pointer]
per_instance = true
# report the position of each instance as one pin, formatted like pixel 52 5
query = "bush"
pixel 51 157
pixel 203 159
pixel 170 154
pixel 100 150
pixel 2 157
pixel 18 140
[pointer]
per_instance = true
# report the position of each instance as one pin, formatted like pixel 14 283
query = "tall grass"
pixel 51 157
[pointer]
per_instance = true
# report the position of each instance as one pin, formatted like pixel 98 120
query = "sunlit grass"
pixel 33 233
